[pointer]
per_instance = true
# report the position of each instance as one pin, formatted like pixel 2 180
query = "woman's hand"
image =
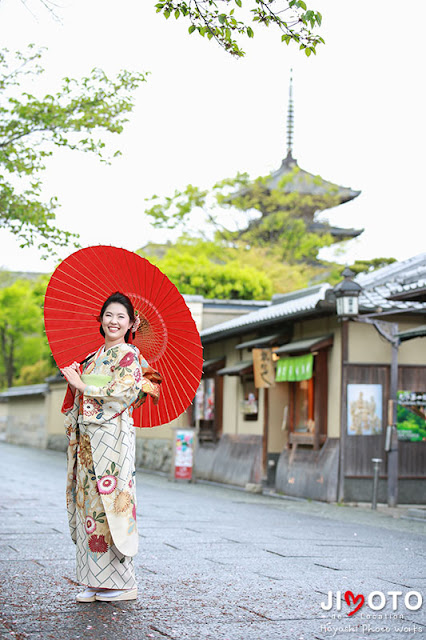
pixel 72 375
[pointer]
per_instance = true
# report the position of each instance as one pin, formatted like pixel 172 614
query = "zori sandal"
pixel 88 595
pixel 113 595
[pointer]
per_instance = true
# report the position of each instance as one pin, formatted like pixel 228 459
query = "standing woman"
pixel 101 496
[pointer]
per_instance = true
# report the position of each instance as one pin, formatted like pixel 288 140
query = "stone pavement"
pixel 214 564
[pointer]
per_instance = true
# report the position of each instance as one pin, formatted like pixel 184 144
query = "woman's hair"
pixel 126 302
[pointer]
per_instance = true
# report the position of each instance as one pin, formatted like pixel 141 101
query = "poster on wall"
pixel 199 402
pixel 411 416
pixel 204 400
pixel 209 399
pixel 184 454
pixel 365 409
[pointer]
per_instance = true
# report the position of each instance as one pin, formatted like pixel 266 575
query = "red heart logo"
pixel 359 598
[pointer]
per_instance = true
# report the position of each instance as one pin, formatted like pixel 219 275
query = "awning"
pixel 307 345
pixel 262 341
pixel 210 365
pixel 410 334
pixel 238 369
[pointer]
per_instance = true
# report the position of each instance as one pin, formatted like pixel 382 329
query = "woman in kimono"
pixel 101 496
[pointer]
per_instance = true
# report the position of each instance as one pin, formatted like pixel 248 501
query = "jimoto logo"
pixel 375 600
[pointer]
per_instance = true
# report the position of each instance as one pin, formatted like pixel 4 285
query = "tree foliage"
pixel 226 21
pixel 75 117
pixel 365 266
pixel 24 352
pixel 248 214
pixel 198 267
pixel 246 224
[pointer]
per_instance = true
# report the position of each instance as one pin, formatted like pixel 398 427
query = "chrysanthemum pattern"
pixel 90 524
pixel 122 502
pixel 80 497
pixel 85 452
pixel 97 544
pixel 107 484
pixel 91 407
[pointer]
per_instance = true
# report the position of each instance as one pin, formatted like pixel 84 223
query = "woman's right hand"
pixel 72 375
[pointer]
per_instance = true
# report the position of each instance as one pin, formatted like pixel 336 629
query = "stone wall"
pixel 26 421
pixel 154 454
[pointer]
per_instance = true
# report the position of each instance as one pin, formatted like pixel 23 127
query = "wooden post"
pixel 343 409
pixel 265 432
pixel 393 453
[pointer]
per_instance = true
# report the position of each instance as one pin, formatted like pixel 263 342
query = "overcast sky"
pixel 203 116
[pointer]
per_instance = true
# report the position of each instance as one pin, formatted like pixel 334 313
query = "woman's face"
pixel 115 322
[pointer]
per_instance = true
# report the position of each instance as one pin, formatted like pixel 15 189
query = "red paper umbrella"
pixel 167 336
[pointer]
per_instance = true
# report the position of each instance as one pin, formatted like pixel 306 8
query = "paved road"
pixel 214 564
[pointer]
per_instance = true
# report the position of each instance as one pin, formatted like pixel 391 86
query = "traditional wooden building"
pixel 313 430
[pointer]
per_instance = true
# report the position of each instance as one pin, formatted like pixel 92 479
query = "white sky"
pixel 203 116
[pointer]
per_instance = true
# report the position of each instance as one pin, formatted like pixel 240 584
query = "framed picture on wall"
pixel 365 409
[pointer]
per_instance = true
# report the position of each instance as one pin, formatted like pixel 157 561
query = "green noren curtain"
pixel 295 369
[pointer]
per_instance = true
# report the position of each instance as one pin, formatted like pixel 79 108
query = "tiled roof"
pixel 377 288
pixel 395 288
pixel 398 273
pixel 306 183
pixel 25 390
pixel 376 299
pixel 288 305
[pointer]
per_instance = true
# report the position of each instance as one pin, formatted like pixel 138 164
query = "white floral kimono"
pixel 101 496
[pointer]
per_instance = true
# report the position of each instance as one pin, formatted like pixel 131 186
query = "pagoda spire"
pixel 290 119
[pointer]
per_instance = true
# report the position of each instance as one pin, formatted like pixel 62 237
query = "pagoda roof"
pixel 337 232
pixel 306 183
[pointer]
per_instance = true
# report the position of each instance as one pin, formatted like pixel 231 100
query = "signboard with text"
pixel 411 416
pixel 263 368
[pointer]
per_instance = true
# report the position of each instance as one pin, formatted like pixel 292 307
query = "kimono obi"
pixel 95 380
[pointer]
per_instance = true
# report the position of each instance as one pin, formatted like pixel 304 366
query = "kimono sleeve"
pixel 102 404
pixel 69 399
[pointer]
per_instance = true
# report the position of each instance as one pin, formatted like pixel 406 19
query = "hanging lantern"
pixel 347 294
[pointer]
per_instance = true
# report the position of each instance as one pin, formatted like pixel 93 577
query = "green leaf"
pixel 192 28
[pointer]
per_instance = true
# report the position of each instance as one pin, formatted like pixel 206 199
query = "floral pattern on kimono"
pixel 101 487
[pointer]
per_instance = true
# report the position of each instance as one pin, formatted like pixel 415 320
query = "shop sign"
pixel 411 416
pixel 295 369
pixel 263 368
